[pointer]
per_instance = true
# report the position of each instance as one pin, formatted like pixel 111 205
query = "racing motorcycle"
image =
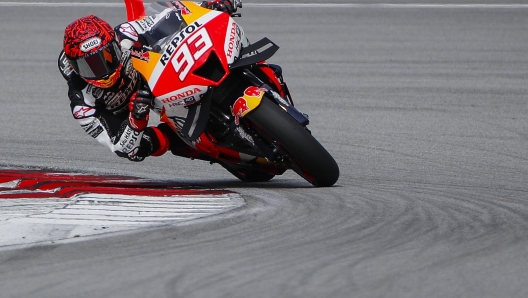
pixel 217 92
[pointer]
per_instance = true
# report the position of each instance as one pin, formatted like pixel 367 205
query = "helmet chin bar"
pixel 108 82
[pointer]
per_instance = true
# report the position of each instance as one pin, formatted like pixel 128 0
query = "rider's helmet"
pixel 91 48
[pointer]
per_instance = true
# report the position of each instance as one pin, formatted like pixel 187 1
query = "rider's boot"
pixel 177 146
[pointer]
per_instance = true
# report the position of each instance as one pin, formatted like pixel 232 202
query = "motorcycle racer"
pixel 108 97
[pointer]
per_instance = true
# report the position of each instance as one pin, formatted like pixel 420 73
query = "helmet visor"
pixel 99 64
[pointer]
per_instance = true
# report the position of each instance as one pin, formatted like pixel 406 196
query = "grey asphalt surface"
pixel 424 109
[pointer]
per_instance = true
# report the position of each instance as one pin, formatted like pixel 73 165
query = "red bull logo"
pixel 182 8
pixel 140 54
pixel 249 101
pixel 254 91
pixel 239 108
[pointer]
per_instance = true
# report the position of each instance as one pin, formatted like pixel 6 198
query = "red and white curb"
pixel 37 206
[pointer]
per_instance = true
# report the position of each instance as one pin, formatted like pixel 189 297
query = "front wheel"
pixel 306 155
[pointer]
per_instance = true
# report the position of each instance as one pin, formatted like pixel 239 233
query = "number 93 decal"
pixel 190 52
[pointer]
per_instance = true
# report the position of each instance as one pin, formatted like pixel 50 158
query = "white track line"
pixel 292 5
pixel 104 209
pixel 388 5
pixel 26 221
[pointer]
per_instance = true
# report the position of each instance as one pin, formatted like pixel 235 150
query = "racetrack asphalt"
pixel 423 107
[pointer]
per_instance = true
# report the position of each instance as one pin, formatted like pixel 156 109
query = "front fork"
pixel 285 103
pixel 242 106
pixel 249 101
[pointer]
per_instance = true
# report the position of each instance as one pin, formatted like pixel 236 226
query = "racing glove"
pixel 229 6
pixel 139 108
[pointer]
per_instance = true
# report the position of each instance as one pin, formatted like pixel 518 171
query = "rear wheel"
pixel 305 154
pixel 247 174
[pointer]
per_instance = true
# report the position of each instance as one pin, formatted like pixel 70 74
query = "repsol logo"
pixel 129 139
pixel 175 42
pixel 90 44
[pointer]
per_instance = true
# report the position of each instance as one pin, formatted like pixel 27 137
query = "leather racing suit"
pixel 104 113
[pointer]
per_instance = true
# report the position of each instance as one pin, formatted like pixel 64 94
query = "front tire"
pixel 308 157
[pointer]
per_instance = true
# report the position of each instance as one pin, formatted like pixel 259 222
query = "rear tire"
pixel 308 157
pixel 247 174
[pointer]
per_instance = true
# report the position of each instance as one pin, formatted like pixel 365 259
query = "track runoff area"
pixel 46 207
pixel 43 206
pixel 387 4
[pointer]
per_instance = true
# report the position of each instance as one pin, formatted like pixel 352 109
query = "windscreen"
pixel 168 25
